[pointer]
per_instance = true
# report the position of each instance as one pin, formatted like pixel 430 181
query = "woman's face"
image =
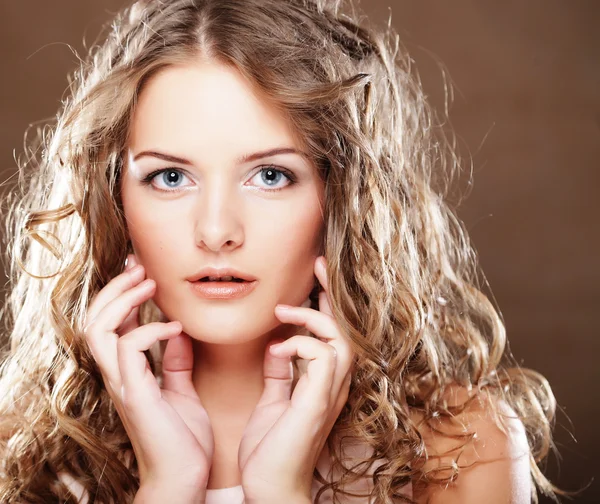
pixel 212 208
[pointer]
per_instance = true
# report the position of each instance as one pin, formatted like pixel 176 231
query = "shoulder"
pixel 493 467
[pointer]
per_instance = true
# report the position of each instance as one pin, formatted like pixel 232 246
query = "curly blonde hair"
pixel 404 281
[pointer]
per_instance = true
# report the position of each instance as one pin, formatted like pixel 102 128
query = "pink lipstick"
pixel 221 289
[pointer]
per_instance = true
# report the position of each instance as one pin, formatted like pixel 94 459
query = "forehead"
pixel 199 101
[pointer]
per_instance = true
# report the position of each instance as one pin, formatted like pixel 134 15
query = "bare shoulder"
pixel 493 467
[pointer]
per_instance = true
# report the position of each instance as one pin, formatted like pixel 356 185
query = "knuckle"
pixel 91 339
pixel 89 328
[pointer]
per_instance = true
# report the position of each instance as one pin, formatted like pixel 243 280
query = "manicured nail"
pixel 283 307
pixel 129 262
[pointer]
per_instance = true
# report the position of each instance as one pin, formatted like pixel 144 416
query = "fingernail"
pixel 283 307
pixel 130 262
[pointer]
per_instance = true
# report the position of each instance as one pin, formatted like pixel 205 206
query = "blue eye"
pixel 270 175
pixel 171 178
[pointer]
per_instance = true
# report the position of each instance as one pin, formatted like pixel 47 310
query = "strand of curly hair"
pixel 403 277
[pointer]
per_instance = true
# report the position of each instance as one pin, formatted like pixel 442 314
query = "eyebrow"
pixel 246 158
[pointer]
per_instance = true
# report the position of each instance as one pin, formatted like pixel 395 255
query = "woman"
pixel 283 145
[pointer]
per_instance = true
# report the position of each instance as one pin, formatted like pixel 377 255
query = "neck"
pixel 229 380
pixel 229 377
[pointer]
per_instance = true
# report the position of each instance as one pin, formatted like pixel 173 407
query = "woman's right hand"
pixel 168 427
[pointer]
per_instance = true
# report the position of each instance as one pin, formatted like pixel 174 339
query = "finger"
pixel 327 330
pixel 132 320
pixel 130 261
pixel 321 274
pixel 112 316
pixel 314 393
pixel 117 286
pixel 278 374
pixel 101 334
pixel 323 326
pixel 136 376
pixel 177 366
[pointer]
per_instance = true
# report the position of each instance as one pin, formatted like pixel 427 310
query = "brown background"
pixel 527 109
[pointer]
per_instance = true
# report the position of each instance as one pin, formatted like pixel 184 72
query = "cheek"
pixel 153 233
pixel 294 231
pixel 290 246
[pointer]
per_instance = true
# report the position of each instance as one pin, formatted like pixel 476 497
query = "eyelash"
pixel 147 180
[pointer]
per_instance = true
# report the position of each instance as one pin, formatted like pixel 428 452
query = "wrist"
pixel 295 499
pixel 174 492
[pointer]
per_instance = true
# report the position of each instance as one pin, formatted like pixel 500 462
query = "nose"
pixel 218 219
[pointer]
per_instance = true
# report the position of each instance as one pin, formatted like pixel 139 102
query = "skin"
pixel 221 212
pixel 495 467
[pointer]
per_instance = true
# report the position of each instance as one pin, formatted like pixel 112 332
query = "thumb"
pixel 278 374
pixel 177 365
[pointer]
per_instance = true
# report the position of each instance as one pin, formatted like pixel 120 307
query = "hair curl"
pixel 403 277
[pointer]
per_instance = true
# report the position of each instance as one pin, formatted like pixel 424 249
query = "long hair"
pixel 404 282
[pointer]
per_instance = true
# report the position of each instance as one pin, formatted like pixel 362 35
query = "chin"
pixel 216 330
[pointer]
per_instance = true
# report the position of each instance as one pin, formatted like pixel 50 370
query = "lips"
pixel 220 275
pixel 222 279
pixel 221 289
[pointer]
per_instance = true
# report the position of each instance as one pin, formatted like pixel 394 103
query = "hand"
pixel 169 428
pixel 286 433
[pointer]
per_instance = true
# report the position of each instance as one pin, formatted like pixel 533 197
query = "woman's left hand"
pixel 286 432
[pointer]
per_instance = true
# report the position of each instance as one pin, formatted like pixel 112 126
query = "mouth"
pixel 226 275
pixel 222 288
pixel 225 279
